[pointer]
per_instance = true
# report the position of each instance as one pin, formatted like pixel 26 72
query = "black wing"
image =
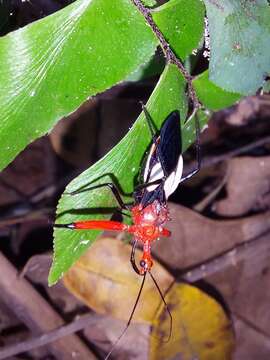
pixel 164 155
pixel 170 144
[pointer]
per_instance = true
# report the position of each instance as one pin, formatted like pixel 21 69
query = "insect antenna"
pixel 130 318
pixel 166 306
pixel 151 125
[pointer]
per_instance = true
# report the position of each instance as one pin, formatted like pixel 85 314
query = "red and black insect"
pixel 161 176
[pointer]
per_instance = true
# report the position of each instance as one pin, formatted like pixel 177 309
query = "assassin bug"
pixel 161 176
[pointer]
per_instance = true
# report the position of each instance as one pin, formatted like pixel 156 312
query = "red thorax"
pixel 148 227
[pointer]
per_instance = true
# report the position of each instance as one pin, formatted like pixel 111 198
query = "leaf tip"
pixel 54 275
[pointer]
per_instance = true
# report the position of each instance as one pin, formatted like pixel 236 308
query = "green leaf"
pixel 182 24
pixel 240 43
pixel 154 67
pixel 121 163
pixel 50 67
pixel 47 69
pixel 212 96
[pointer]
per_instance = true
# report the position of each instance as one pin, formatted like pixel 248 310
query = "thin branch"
pixel 216 159
pixel 29 216
pixel 36 313
pixel 169 54
pixel 252 326
pixel 208 199
pixel 51 336
pixel 240 252
pixel 213 160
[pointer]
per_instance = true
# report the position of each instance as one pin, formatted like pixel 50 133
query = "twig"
pixel 238 253
pixel 36 313
pixel 216 159
pixel 213 160
pixel 252 326
pixel 51 336
pixel 30 216
pixel 169 54
pixel 29 209
pixel 208 199
pixel 11 187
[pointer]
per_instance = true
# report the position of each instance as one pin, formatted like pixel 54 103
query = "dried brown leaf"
pixel 196 238
pixel 248 183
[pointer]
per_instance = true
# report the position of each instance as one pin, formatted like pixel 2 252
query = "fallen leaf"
pixel 248 183
pixel 104 280
pixel 249 108
pixel 201 329
pixel 106 331
pixel 245 286
pixel 251 344
pixel 196 238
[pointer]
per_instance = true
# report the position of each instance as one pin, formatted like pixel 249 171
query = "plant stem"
pixel 169 54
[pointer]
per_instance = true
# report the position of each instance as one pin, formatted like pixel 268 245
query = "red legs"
pixel 99 224
pixel 115 191
pixel 198 153
pixel 95 225
pixel 134 265
pixel 117 226
pixel 129 320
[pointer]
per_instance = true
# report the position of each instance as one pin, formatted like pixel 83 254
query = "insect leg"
pixel 165 304
pixel 198 152
pixel 149 121
pixel 144 185
pixel 115 191
pixel 153 131
pixel 132 257
pixel 130 318
pixel 94 225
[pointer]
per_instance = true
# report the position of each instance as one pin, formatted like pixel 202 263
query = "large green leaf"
pixel 182 24
pixel 47 69
pixel 123 162
pixel 240 43
pixel 212 96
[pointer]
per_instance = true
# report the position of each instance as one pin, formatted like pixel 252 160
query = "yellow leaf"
pixel 201 329
pixel 105 281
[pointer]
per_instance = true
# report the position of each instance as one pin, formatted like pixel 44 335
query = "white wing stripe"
pixel 174 178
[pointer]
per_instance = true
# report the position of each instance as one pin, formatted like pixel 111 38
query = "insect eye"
pixel 142 263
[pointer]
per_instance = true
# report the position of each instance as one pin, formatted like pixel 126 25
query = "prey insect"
pixel 161 175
